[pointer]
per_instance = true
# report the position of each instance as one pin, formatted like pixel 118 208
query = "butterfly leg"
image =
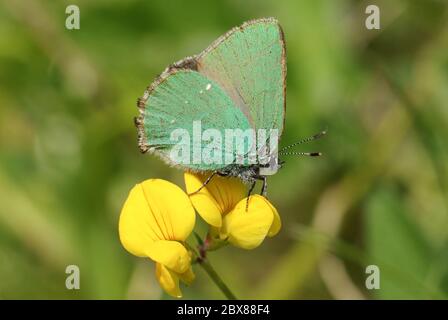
pixel 264 188
pixel 248 194
pixel 205 183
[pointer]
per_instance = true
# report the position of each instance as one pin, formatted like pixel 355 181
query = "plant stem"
pixel 205 264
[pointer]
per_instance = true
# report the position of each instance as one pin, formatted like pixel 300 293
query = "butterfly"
pixel 237 83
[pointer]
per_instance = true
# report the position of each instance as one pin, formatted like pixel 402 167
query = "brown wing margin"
pixel 186 63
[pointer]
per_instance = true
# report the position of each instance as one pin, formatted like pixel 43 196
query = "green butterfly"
pixel 237 83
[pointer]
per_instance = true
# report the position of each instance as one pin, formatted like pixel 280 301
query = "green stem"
pixel 205 264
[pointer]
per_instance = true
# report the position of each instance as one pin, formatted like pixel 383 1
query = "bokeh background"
pixel 379 195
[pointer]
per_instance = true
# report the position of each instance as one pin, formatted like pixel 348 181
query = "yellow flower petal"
pixel 168 280
pixel 203 201
pixel 171 254
pixel 155 210
pixel 187 277
pixel 247 229
pixel 172 207
pixel 276 224
pixel 137 227
pixel 217 198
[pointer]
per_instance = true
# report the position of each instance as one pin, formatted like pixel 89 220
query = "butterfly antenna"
pixel 315 137
pixel 308 154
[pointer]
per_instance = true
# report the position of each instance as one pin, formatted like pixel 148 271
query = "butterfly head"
pixel 271 167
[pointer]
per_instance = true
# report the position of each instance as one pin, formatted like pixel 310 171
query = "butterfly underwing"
pixel 237 83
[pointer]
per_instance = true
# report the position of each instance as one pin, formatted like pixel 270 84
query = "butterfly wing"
pixel 176 100
pixel 249 63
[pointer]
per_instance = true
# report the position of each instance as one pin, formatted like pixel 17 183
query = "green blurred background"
pixel 379 195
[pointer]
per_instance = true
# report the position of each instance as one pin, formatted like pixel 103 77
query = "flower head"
pixel 155 221
pixel 222 204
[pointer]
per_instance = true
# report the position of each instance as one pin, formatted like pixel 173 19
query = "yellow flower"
pixel 222 204
pixel 247 229
pixel 155 221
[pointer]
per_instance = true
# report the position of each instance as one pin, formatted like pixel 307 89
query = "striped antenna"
pixel 309 154
pixel 316 136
